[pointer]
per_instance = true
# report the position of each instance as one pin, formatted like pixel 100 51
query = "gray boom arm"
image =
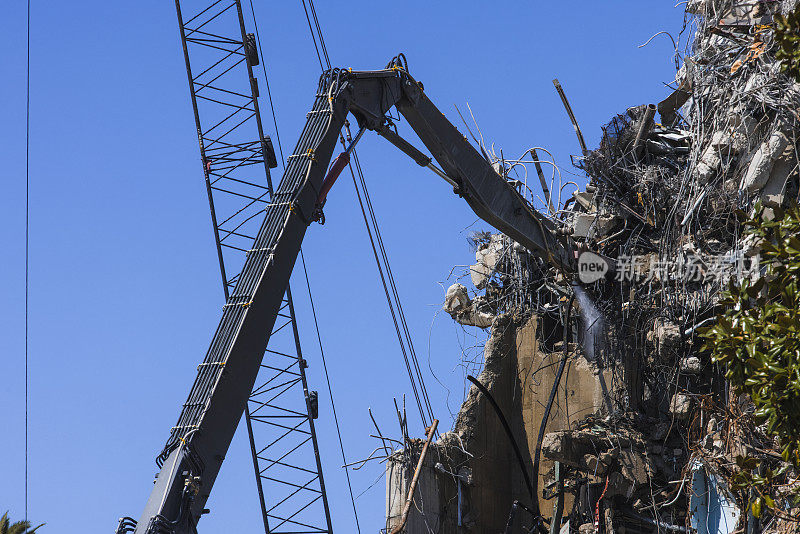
pixel 199 442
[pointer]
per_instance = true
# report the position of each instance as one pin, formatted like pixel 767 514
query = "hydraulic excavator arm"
pixel 199 441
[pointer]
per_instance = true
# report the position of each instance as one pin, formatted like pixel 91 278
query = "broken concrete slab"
pixel 585 200
pixel 456 299
pixel 480 274
pixel 487 258
pixel 691 365
pixel 591 225
pixel 762 162
pixel 570 447
pixel 774 191
pixel 615 455
pixel 469 312
pixel 665 337
pixel 481 314
pixel 719 148
pixel 680 406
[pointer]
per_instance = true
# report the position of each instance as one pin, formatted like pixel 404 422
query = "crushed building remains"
pixel 617 422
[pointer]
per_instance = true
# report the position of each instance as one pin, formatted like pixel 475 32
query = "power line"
pixel 27 231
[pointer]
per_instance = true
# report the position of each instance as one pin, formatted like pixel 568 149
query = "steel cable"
pixel 308 283
pixel 330 388
pixel 389 300
pixel 401 313
pixel 27 229
pixel 402 326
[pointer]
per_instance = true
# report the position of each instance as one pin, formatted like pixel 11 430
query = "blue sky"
pixel 124 292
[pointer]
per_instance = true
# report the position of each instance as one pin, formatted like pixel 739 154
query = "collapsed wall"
pixel 519 376
pixel 643 429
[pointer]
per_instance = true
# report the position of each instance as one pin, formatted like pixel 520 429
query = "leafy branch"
pixel 757 340
pixel 787 36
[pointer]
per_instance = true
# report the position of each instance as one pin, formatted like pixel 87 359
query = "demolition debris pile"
pixel 655 447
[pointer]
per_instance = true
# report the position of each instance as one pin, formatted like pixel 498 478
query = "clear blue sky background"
pixel 124 291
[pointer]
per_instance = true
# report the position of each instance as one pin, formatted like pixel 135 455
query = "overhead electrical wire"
pixel 305 271
pixel 27 230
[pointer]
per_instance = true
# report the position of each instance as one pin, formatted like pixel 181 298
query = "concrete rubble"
pixel 620 439
pixel 467 311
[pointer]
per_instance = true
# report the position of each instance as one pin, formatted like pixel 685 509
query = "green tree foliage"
pixel 18 527
pixel 787 37
pixel 757 339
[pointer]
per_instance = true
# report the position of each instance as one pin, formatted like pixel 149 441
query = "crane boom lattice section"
pixel 236 156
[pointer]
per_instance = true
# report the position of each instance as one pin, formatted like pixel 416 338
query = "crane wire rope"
pixel 390 276
pixel 330 389
pixel 415 374
pixel 389 301
pixel 305 272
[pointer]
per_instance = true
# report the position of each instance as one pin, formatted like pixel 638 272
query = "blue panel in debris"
pixel 712 509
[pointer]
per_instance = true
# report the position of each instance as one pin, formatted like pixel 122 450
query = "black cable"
pixel 517 453
pixel 330 388
pixel 553 392
pixel 27 229
pixel 266 79
pixel 414 360
pixel 401 313
pixel 389 300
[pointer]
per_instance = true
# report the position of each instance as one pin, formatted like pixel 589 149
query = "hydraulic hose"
pixel 551 399
pixel 514 445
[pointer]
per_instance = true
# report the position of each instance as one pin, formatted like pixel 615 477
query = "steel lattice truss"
pixel 236 157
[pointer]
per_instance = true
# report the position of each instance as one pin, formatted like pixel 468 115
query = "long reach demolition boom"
pixel 198 443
